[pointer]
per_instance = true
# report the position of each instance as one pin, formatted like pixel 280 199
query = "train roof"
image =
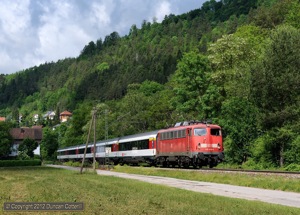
pixel 189 124
pixel 136 137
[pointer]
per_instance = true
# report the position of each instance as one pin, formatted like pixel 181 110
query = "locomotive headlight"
pixel 219 146
pixel 199 145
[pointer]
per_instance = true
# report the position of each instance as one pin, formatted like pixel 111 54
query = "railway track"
pixel 288 174
pixel 254 171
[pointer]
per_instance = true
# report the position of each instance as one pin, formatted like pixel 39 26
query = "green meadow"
pixel 111 195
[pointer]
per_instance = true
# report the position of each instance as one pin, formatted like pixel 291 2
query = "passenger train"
pixel 191 143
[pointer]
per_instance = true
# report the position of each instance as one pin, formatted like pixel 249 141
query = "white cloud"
pixel 15 18
pixel 16 34
pixel 164 8
pixel 61 33
pixel 35 31
pixel 100 14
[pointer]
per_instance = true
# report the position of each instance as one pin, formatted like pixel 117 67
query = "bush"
pixel 251 164
pixel 293 167
pixel 9 163
pixel 51 162
pixel 78 164
pixel 71 163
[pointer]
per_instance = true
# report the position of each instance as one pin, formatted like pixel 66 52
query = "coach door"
pixel 189 135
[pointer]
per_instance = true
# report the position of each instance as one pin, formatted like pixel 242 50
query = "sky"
pixel 33 32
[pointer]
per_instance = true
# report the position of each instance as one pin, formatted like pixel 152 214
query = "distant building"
pixel 20 134
pixel 2 119
pixel 49 115
pixel 35 117
pixel 64 116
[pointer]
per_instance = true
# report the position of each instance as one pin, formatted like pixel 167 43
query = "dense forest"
pixel 235 62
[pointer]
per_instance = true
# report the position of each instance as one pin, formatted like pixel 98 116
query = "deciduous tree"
pixel 5 139
pixel 28 146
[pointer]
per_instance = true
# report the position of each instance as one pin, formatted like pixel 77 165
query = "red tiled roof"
pixel 65 113
pixel 2 119
pixel 23 133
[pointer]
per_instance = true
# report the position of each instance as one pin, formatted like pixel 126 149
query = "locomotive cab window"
pixel 200 132
pixel 215 132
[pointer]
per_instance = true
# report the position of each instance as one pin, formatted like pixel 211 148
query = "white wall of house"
pixel 14 150
pixel 37 151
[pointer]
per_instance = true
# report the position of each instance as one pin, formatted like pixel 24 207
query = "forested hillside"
pixel 233 61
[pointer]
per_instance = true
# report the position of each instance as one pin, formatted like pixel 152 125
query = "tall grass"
pixel 111 195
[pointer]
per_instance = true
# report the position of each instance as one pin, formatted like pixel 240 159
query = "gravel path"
pixel 269 196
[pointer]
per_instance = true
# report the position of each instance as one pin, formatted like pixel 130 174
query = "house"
pixel 19 134
pixel 2 119
pixel 49 115
pixel 35 117
pixel 64 116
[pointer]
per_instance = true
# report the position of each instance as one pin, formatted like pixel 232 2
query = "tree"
pixel 74 131
pixel 56 119
pixel 271 16
pixel 5 139
pixel 112 39
pixel 239 122
pixel 27 147
pixel 191 80
pixel 99 45
pixel 293 16
pixel 232 57
pixel 135 106
pixel 276 80
pixel 276 147
pixel 15 115
pixel 102 67
pixel 292 154
pixel 49 144
pixel 89 49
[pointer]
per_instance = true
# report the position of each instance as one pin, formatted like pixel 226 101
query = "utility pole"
pixel 106 133
pixel 94 156
pixel 87 142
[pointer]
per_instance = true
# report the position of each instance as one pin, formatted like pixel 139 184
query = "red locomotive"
pixel 190 143
pixel 187 144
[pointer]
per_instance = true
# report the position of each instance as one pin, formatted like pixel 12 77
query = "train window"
pixel 144 144
pixel 175 134
pixel 182 133
pixel 88 150
pixel 72 152
pixel 200 131
pixel 135 145
pixel 172 135
pixel 215 132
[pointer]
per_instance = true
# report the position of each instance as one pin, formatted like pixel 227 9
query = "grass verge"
pixel 110 195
